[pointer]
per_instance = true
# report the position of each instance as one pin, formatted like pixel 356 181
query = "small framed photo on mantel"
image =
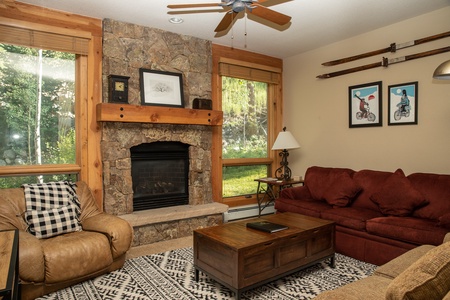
pixel 161 88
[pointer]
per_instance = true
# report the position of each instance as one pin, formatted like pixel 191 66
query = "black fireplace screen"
pixel 159 172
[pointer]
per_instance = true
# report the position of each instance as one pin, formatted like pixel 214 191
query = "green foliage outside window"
pixel 244 133
pixel 37 106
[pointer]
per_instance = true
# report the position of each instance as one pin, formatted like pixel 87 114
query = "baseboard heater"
pixel 247 211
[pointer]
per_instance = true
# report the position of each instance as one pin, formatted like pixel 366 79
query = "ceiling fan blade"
pixel 226 21
pixel 268 14
pixel 192 5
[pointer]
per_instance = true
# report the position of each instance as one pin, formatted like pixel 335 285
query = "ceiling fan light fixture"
pixel 176 20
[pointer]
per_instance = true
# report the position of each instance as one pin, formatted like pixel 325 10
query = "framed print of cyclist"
pixel 402 103
pixel 364 103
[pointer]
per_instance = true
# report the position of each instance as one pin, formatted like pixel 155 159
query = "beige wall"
pixel 316 110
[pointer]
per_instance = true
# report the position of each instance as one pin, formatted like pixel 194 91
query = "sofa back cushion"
pixel 436 189
pixel 370 181
pixel 319 180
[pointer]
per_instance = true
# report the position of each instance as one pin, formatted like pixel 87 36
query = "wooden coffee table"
pixel 241 258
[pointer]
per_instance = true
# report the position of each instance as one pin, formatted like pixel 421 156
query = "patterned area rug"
pixel 171 275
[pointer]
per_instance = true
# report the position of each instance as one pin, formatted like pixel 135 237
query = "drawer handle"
pixel 316 231
pixel 294 237
pixel 268 244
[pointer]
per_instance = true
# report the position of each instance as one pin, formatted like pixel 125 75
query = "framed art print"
pixel 402 104
pixel 365 105
pixel 161 88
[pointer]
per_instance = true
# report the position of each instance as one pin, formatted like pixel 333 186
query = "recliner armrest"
pixel 118 230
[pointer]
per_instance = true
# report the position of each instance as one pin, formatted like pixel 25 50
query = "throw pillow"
pixel 51 208
pixel 47 223
pixel 427 278
pixel 40 196
pixel 397 196
pixel 342 191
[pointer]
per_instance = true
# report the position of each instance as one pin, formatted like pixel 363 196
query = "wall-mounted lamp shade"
pixel 442 71
pixel 285 140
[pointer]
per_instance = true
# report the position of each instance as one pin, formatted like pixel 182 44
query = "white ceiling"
pixel 314 23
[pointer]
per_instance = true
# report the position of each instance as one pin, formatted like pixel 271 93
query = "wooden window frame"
pixel 267 69
pixel 88 165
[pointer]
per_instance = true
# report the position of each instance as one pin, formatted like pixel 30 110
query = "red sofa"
pixel 379 215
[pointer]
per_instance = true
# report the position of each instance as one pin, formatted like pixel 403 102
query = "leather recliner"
pixel 47 265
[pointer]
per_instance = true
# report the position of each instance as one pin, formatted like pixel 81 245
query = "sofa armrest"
pixel 119 231
pixel 446 238
pixel 297 192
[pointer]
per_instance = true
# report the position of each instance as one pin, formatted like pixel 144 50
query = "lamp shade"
pixel 285 140
pixel 442 71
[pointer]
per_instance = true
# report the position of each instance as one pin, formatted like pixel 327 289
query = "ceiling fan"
pixel 233 7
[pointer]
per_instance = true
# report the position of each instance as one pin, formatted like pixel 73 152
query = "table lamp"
pixel 285 140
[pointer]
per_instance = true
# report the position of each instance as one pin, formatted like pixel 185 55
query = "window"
pixel 37 101
pixel 247 88
pixel 69 134
pixel 244 134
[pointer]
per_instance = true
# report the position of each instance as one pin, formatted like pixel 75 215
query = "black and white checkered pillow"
pixel 52 208
pixel 50 222
pixel 41 196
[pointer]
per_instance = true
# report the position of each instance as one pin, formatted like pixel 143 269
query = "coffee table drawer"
pixel 259 259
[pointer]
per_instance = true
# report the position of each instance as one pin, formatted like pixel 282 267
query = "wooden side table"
pixel 9 264
pixel 266 194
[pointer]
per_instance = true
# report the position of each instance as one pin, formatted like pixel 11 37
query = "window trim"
pixel 89 90
pixel 249 60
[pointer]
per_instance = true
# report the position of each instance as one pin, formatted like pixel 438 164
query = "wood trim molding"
pixel 109 112
pixel 249 59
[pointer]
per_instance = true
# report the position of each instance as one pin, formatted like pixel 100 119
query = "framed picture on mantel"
pixel 161 88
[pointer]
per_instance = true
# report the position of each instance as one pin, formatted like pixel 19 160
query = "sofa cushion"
pixel 370 182
pixel 372 287
pixel 351 217
pixel 50 222
pixel 319 179
pixel 342 191
pixel 436 189
pixel 296 192
pixel 76 255
pixel 397 196
pixel 309 207
pixel 427 278
pixel 408 229
pixel 399 264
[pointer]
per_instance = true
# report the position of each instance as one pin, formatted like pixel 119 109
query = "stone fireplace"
pixel 161 223
pixel 126 49
pixel 116 152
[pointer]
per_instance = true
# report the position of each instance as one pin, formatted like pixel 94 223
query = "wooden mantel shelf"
pixel 112 112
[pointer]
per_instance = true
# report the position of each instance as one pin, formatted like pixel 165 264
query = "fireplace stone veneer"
pixel 127 48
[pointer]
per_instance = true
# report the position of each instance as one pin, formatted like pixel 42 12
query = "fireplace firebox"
pixel 160 175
